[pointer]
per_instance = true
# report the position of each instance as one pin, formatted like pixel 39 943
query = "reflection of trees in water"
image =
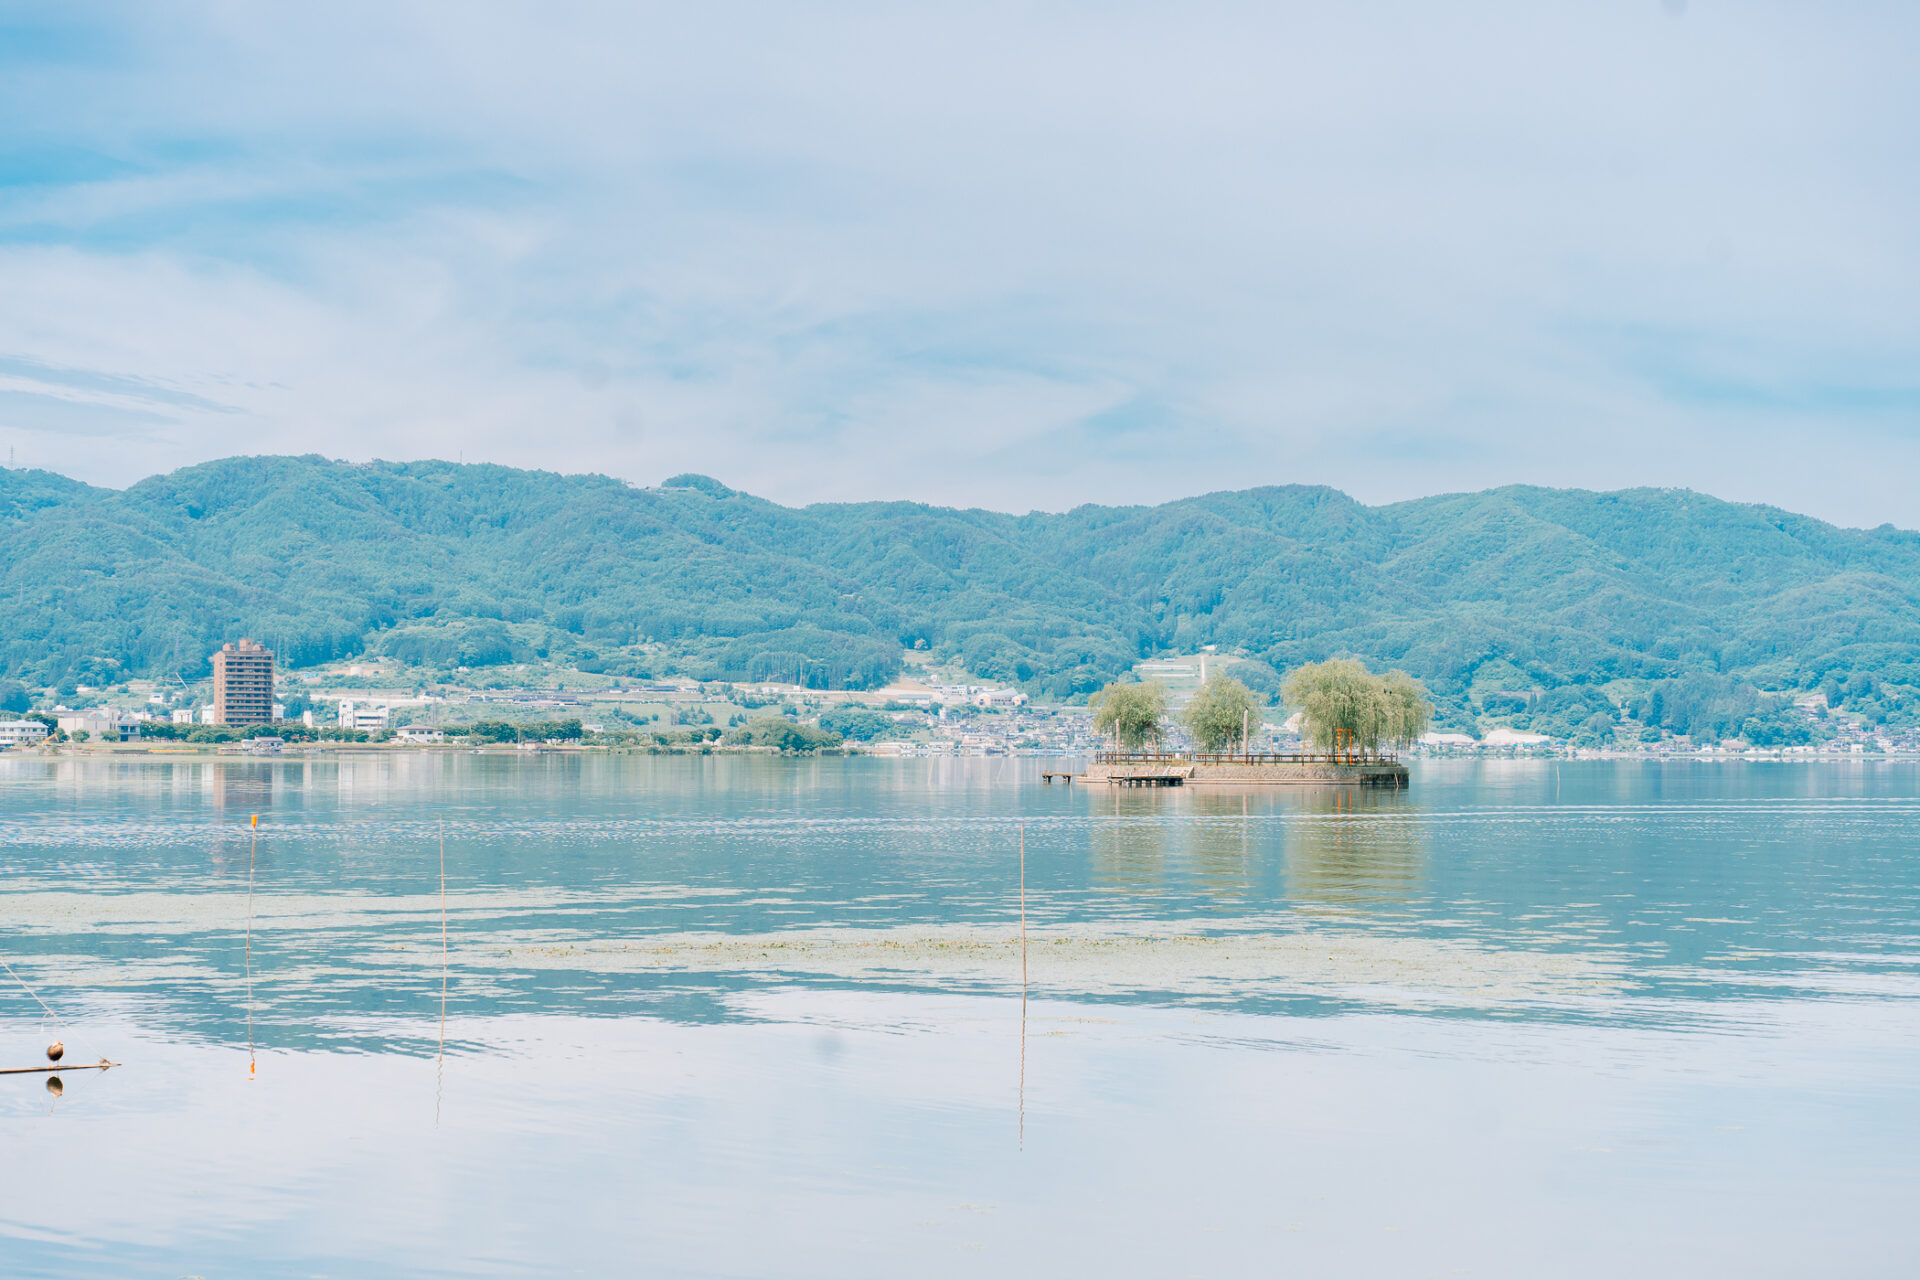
pixel 1211 837
pixel 1129 851
pixel 1220 846
pixel 1353 845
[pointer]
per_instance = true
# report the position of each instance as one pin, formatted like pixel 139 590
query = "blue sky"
pixel 1023 255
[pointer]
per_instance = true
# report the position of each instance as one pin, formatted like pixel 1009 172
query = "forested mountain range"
pixel 1480 594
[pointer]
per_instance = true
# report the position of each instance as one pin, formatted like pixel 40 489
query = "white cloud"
pixel 863 251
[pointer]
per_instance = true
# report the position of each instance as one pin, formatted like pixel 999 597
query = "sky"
pixel 1005 255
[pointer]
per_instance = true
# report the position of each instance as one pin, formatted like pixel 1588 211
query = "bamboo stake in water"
pixel 440 1062
pixel 1023 912
pixel 253 852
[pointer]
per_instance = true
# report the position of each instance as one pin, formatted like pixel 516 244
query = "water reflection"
pixel 131 876
pixel 1352 847
pixel 1761 1056
pixel 1338 845
pixel 244 786
pixel 1209 841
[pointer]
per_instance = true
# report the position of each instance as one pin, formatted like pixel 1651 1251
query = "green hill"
pixel 1511 592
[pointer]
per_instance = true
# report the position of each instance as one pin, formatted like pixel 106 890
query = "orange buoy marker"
pixel 256 822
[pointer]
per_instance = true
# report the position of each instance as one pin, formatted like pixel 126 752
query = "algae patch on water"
pixel 1114 960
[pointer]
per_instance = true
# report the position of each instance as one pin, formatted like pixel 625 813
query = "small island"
pixel 1354 720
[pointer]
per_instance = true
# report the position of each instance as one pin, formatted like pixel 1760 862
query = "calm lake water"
pixel 750 1017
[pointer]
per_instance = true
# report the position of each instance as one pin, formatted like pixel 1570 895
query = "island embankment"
pixel 1206 769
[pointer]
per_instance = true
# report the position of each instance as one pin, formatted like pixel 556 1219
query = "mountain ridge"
pixel 1555 587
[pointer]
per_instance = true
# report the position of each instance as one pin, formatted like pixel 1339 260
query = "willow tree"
pixel 1221 714
pixel 1407 712
pixel 1132 713
pixel 1347 710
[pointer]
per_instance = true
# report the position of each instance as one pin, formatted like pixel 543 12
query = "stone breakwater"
pixel 1192 773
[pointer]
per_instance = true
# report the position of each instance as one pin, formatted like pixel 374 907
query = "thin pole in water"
pixel 1023 911
pixel 253 852
pixel 1023 986
pixel 440 1062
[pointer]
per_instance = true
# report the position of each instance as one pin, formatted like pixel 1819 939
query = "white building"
pixel 206 714
pixel 1447 740
pixel 361 715
pixel 99 721
pixel 17 733
pixel 420 733
pixel 999 698
pixel 183 715
pixel 1504 737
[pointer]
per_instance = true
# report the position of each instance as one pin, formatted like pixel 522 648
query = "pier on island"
pixel 1205 768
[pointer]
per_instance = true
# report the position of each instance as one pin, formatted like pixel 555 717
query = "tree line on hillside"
pixel 472 567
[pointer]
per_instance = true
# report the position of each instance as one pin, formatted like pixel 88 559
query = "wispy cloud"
pixel 996 254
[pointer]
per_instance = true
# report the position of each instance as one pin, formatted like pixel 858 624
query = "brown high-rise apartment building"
pixel 243 684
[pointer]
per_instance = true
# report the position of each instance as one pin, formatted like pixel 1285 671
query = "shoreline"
pixel 71 750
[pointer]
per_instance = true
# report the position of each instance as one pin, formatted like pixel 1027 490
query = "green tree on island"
pixel 1222 714
pixel 1346 709
pixel 1130 712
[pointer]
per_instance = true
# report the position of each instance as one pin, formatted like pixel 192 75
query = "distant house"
pixel 182 715
pixel 360 715
pixel 100 721
pixel 265 746
pixel 19 733
pixel 999 698
pixel 420 733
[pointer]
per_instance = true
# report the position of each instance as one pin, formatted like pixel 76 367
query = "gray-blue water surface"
pixel 747 1016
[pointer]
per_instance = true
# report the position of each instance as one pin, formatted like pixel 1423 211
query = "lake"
pixel 736 1016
